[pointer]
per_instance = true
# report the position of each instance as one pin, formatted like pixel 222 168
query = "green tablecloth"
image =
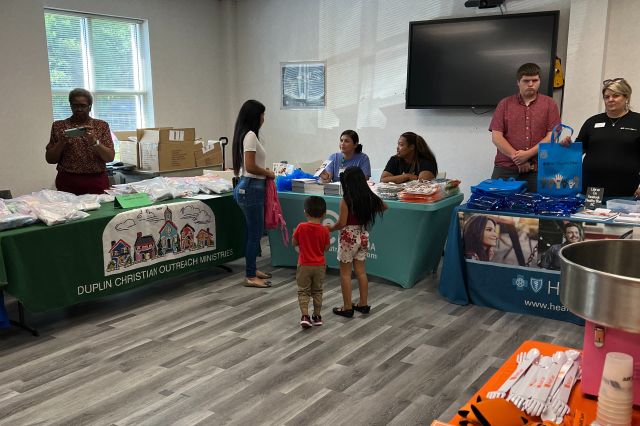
pixel 405 245
pixel 52 267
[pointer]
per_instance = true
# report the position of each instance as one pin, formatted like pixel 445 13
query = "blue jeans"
pixel 249 194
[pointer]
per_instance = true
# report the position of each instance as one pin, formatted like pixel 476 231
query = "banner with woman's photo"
pixel 529 242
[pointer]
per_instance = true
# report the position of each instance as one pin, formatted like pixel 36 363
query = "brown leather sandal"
pixel 258 283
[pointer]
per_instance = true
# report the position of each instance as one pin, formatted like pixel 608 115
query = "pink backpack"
pixel 273 217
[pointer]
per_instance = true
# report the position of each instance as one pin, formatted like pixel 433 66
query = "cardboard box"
pixel 165 149
pixel 208 154
pixel 128 148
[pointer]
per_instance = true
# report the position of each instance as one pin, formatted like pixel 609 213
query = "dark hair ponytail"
pixel 422 149
pixel 248 121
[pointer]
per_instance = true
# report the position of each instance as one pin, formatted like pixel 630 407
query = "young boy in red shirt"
pixel 312 240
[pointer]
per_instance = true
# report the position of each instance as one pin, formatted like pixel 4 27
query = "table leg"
pixel 22 323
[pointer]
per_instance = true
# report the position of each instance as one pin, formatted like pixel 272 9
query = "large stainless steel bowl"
pixel 600 282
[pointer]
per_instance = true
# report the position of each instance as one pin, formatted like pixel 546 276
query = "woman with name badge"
pixel 350 155
pixel 611 144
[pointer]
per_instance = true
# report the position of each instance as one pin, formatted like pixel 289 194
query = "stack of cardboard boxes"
pixel 166 149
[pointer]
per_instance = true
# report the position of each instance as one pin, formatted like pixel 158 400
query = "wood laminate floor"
pixel 205 350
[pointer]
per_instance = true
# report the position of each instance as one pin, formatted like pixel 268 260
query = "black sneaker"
pixel 305 321
pixel 316 320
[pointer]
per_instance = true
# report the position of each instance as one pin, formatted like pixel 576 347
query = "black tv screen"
pixel 472 62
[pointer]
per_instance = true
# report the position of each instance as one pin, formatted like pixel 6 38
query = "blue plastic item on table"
pixel 283 183
pixel 488 202
pixel 499 186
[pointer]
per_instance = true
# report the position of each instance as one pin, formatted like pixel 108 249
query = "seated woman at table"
pixel 81 157
pixel 480 236
pixel 413 160
pixel 350 155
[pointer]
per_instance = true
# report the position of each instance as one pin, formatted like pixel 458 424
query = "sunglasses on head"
pixel 612 80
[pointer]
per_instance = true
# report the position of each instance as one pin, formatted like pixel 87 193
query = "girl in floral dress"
pixel 358 210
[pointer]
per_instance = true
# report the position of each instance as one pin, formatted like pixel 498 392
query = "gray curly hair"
pixel 80 92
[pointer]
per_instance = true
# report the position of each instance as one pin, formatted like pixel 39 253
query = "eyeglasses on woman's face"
pixel 80 106
pixel 612 80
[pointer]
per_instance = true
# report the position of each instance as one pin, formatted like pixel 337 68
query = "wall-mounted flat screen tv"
pixel 472 62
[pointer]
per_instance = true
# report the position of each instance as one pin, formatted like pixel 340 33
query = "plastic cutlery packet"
pixel 541 385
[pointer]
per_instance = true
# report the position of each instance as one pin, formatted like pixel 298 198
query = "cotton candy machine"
pixel 600 282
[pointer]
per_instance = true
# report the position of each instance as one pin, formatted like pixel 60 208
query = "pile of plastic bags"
pixel 48 206
pixel 166 188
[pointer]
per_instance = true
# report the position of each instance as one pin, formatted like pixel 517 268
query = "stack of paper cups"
pixel 615 398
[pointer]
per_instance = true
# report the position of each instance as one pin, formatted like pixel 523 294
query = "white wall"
pixel 189 47
pixel 585 60
pixel 365 45
pixel 208 56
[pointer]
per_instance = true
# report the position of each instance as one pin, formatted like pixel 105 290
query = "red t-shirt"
pixel 523 126
pixel 312 239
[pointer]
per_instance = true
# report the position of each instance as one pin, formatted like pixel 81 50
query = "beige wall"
pixel 365 45
pixel 208 56
pixel 622 58
pixel 603 43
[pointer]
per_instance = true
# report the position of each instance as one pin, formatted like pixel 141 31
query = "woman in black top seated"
pixel 414 160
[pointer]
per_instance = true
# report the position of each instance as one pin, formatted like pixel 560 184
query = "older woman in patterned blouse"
pixel 81 158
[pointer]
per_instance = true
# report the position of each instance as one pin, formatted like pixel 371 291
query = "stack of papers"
pixel 333 188
pixel 599 214
pixel 307 186
pixel 630 218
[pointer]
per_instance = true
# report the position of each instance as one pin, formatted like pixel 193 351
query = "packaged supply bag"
pixel 559 167
pixel 499 187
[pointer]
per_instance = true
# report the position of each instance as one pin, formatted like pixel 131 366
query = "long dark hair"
pixel 360 200
pixel 354 137
pixel 248 121
pixel 473 234
pixel 422 149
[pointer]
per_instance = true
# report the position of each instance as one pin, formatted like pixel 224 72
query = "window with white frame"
pixel 105 55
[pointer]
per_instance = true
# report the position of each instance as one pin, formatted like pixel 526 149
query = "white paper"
pixel 323 166
pixel 281 169
pixel 203 196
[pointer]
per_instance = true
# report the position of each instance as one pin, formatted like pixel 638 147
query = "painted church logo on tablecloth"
pixel 153 234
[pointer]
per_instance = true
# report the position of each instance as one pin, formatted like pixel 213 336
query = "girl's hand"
pixel 270 174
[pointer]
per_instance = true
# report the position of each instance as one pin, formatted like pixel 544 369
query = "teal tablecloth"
pixel 47 268
pixel 405 245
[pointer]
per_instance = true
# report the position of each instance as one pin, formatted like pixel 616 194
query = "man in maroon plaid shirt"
pixel 519 123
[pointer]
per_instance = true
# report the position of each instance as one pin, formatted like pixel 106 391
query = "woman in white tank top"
pixel 249 162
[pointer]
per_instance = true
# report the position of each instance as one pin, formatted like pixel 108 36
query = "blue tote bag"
pixel 559 167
